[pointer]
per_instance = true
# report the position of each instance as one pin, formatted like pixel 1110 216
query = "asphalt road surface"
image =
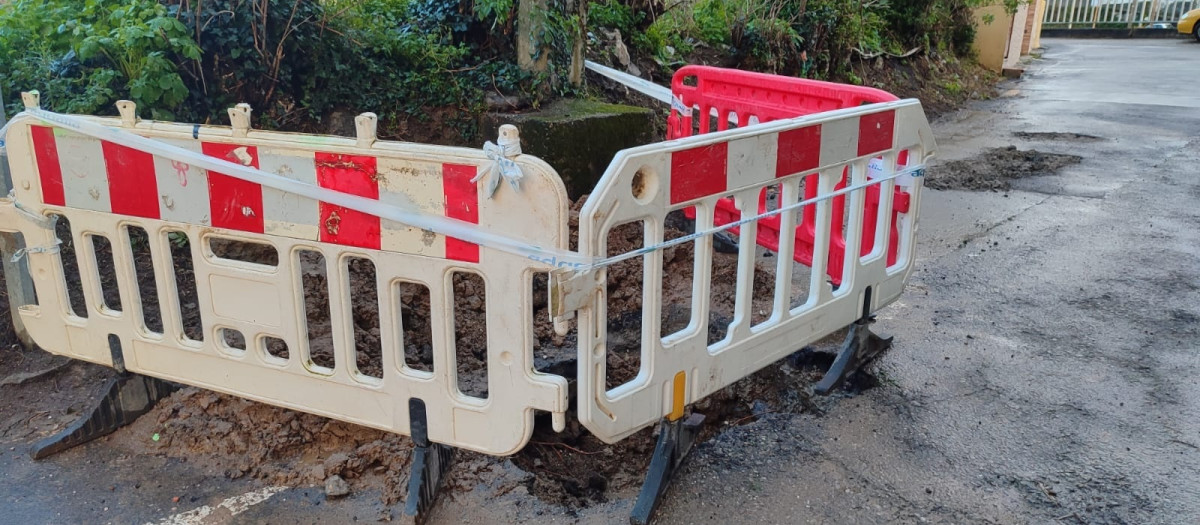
pixel 1045 368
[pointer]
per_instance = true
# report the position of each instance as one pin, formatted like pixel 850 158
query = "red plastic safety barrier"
pixel 765 98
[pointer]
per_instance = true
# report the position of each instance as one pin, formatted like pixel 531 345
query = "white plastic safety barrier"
pixel 646 183
pixel 104 189
pixel 422 214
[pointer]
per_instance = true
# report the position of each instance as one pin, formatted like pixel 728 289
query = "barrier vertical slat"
pixel 887 192
pixel 441 328
pixel 789 193
pixel 823 219
pixel 391 344
pixel 652 275
pixel 341 321
pixel 164 278
pixel 200 273
pixel 89 279
pixel 702 267
pixel 747 252
pixel 295 333
pixel 854 228
pixel 127 285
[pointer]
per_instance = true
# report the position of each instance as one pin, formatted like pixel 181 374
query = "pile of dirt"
pixel 996 168
pixel 279 446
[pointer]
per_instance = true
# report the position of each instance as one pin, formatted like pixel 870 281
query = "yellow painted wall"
pixel 991 39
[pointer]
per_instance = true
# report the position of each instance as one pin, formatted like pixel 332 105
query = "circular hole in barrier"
pixel 645 185
pixel 506 358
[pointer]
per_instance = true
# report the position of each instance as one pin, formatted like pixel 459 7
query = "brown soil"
pixel 279 446
pixel 996 168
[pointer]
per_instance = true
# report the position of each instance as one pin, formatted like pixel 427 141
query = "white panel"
pixel 182 188
pixel 752 160
pixel 85 179
pixel 245 300
pixel 411 184
pixel 839 140
pixel 285 213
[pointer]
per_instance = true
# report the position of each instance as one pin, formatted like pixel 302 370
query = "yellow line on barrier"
pixel 677 399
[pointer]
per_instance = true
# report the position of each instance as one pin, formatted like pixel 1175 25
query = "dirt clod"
pixel 1057 136
pixel 996 168
pixel 336 487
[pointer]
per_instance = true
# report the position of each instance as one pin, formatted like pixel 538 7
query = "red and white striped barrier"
pixel 806 158
pixel 106 187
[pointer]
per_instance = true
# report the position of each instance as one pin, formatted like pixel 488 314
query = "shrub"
pixel 87 54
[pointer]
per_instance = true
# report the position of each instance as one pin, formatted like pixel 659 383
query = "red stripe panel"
pixel 132 186
pixel 699 172
pixel 234 203
pixel 875 132
pixel 799 151
pixel 356 175
pixel 462 203
pixel 45 149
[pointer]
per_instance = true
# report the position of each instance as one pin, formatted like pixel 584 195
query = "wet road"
pixel 1046 358
pixel 1044 369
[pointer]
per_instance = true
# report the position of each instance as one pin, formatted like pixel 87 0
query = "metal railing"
pixel 1102 14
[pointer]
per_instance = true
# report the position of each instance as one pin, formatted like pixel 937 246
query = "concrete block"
pixel 578 137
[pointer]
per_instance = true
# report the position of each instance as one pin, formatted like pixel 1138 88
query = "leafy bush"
pixel 294 61
pixel 87 54
pixel 615 15
pixel 798 37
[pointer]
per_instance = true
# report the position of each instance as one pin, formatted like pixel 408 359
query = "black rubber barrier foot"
pixel 675 439
pixel 129 396
pixel 430 462
pixel 860 347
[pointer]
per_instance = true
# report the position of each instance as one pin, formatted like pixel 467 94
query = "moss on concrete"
pixel 578 137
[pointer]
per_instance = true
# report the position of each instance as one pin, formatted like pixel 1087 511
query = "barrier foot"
pixel 129 397
pixel 675 439
pixel 430 462
pixel 860 347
